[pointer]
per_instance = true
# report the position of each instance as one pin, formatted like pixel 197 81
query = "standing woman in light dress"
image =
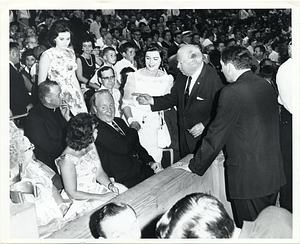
pixel 58 64
pixel 152 80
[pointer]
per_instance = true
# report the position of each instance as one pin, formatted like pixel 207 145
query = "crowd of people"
pixel 101 95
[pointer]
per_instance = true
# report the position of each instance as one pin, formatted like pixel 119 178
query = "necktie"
pixel 187 91
pixel 117 128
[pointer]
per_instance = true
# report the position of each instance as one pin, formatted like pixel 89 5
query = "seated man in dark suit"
pixel 120 151
pixel 46 124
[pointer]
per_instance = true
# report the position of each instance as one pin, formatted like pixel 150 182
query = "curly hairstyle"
pixel 80 131
pixel 25 54
pixel 59 26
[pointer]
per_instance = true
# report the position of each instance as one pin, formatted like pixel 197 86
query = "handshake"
pixel 143 99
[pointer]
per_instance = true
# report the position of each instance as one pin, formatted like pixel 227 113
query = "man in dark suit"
pixel 247 122
pixel 46 124
pixel 195 105
pixel 20 100
pixel 177 35
pixel 120 151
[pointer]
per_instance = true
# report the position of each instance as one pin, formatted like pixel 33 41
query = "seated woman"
pixel 80 166
pixel 24 167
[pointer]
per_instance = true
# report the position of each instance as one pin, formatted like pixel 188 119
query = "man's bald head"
pixel 190 59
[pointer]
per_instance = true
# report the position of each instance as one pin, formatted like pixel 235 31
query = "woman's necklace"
pixel 87 61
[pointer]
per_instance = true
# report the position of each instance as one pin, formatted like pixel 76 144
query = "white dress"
pixel 150 121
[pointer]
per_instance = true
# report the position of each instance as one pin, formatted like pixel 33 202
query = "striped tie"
pixel 117 128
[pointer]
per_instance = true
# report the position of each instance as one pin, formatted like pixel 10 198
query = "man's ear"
pixel 47 99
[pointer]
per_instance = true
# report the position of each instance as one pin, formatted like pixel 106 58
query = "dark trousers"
pixel 286 199
pixel 249 209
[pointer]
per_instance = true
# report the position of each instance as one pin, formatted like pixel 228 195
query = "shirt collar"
pixel 197 73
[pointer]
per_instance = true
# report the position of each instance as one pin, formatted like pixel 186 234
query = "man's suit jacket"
pixel 172 49
pixel 199 108
pixel 47 131
pixel 19 97
pixel 118 153
pixel 247 122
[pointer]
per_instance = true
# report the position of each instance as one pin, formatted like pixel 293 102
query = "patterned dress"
pixel 86 169
pixel 150 121
pixel 62 70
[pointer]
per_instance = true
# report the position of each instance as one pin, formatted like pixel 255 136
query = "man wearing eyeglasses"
pixel 107 80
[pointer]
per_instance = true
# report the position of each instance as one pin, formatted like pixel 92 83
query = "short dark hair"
pixel 261 48
pixel 104 68
pixel 80 131
pixel 28 52
pixel 59 26
pixel 44 88
pixel 88 38
pixel 109 210
pixel 239 56
pixel 125 46
pixel 194 214
pixel 107 49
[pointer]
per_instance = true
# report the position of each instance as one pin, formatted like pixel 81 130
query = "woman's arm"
pixel 44 65
pixel 68 173
pixel 79 72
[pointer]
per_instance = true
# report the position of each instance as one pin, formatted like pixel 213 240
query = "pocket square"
pixel 200 98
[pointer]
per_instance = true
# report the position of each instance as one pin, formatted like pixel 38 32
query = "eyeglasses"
pixel 108 78
pixel 30 148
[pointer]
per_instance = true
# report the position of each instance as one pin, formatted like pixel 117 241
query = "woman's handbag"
pixel 163 135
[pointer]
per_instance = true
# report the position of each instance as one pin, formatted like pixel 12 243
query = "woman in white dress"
pixel 156 82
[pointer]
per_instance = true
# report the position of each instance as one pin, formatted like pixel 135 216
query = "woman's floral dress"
pixel 62 70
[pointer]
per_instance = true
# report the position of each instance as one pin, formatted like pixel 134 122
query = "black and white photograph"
pixel 137 121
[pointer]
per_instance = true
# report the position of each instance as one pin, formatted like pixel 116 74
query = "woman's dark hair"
pixel 59 26
pixel 88 38
pixel 155 47
pixel 124 74
pixel 80 131
pixel 26 53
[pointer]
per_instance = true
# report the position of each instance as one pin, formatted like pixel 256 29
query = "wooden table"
pixel 150 199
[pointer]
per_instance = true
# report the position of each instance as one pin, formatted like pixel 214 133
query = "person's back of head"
pixel 117 220
pixel 239 56
pixel 197 215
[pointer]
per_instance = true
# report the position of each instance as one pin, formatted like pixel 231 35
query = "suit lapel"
pixel 196 86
